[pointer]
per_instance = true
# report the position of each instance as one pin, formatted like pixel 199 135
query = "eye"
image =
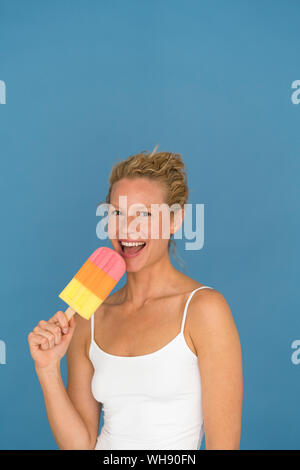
pixel 113 212
pixel 145 212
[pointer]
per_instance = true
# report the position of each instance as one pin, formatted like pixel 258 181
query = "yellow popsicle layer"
pixel 80 299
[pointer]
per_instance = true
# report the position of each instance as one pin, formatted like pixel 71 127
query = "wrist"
pixel 51 369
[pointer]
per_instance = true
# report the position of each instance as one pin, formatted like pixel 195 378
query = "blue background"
pixel 89 83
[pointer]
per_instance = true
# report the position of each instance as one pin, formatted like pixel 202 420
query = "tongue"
pixel 133 249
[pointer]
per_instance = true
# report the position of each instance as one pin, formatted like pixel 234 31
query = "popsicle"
pixel 93 282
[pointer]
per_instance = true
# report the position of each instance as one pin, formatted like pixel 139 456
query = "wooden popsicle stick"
pixel 69 313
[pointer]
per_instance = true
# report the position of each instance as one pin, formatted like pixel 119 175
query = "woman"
pixel 162 354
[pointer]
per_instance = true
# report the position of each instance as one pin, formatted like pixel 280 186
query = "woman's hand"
pixel 49 340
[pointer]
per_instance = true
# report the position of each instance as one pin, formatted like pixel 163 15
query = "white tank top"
pixel 152 401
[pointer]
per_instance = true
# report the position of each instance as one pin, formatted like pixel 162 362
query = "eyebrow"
pixel 136 204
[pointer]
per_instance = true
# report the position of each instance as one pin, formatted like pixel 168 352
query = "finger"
pixel 52 328
pixel 71 329
pixel 61 319
pixel 46 334
pixel 35 341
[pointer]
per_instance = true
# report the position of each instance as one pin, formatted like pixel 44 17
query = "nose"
pixel 132 229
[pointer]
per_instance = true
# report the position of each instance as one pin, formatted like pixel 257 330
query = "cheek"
pixel 113 227
pixel 160 227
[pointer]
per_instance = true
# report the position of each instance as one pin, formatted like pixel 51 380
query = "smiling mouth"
pixel 131 249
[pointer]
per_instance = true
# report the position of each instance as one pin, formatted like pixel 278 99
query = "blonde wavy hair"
pixel 166 167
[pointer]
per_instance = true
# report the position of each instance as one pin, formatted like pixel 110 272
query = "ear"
pixel 176 220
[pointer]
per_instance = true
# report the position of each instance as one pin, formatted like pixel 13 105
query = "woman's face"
pixel 132 219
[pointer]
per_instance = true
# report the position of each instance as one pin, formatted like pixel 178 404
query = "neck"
pixel 151 282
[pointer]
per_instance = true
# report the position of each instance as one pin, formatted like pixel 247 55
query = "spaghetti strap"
pixel 187 303
pixel 92 327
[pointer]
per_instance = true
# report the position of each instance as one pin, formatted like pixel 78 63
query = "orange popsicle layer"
pixel 94 281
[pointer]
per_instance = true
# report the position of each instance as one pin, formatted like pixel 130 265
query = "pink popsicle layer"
pixel 109 261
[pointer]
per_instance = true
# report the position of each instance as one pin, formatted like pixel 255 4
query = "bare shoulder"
pixel 211 319
pixel 208 298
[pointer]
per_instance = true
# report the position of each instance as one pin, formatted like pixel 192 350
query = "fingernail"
pixel 65 330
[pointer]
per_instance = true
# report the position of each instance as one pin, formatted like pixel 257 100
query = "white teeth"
pixel 132 243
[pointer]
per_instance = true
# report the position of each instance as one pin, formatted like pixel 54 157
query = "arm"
pixel 217 343
pixel 80 374
pixel 73 413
